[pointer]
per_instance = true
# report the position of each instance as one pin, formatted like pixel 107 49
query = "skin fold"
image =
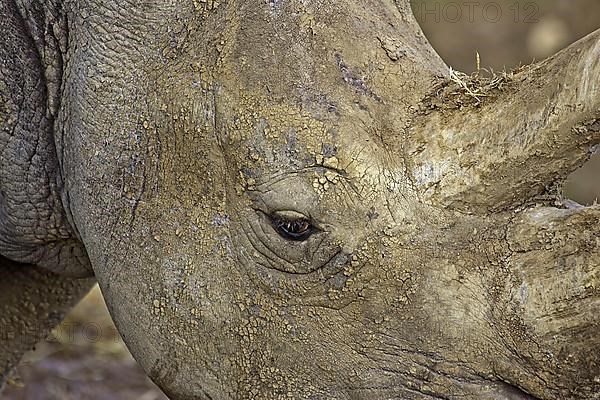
pixel 166 143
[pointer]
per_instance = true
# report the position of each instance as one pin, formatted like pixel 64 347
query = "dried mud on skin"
pixel 84 359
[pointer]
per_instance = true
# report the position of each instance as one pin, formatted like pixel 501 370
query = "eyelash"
pixel 298 230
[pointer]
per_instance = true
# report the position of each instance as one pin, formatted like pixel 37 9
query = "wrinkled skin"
pixel 175 133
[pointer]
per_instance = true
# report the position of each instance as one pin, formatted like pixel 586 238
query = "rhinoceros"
pixel 295 199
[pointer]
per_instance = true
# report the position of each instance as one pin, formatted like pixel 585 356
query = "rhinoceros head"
pixel 261 189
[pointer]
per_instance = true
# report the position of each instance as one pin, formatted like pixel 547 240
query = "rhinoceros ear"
pixel 34 225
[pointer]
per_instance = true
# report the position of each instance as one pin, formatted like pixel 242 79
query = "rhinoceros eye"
pixel 292 227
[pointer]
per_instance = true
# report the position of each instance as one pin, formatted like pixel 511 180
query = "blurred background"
pixel 85 359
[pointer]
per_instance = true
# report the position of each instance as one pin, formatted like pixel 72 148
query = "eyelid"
pixel 290 215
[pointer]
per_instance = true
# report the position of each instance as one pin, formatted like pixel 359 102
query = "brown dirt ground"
pixel 85 357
